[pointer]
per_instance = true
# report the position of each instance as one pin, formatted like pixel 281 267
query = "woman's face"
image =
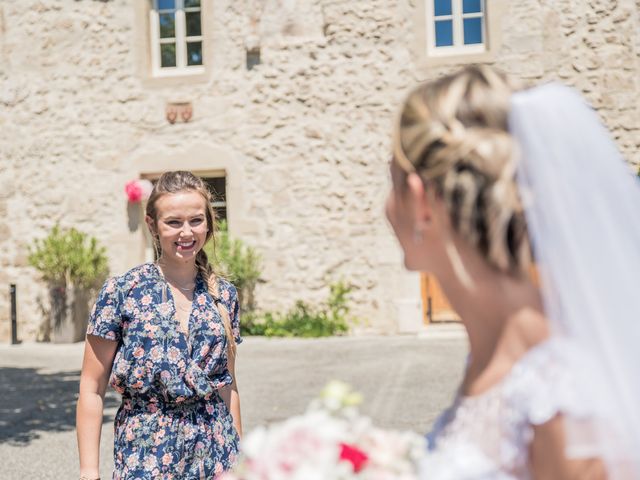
pixel 181 224
pixel 398 211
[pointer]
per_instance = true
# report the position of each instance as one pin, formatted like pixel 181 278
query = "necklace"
pixel 184 289
pixel 175 284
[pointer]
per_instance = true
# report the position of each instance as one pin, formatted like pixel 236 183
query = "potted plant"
pixel 74 266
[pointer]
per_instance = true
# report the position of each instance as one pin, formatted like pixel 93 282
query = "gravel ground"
pixel 405 380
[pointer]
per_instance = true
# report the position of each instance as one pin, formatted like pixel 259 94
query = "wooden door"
pixel 435 306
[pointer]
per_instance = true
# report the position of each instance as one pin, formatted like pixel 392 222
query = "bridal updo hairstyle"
pixel 182 181
pixel 453 133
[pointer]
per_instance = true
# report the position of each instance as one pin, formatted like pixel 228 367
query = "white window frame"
pixel 181 39
pixel 458 47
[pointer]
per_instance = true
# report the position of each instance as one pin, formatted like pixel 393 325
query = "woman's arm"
pixel 230 394
pixel 549 461
pixel 96 367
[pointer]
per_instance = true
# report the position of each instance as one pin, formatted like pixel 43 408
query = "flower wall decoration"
pixel 138 190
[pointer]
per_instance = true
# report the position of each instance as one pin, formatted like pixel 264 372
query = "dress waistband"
pixel 152 404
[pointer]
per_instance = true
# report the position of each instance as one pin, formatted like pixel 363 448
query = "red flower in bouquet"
pixel 354 455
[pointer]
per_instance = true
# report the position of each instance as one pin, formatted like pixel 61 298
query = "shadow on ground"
pixel 33 402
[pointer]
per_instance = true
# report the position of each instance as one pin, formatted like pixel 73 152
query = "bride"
pixel 485 180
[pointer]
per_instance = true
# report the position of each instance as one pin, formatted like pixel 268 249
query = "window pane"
pixel 218 188
pixel 442 7
pixel 193 24
pixel 166 4
pixel 191 3
pixel 472 30
pixel 168 55
pixel 471 6
pixel 194 53
pixel 444 33
pixel 167 25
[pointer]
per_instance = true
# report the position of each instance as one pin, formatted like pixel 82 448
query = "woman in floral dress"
pixel 164 335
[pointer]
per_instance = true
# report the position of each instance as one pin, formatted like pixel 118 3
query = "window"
pixel 217 185
pixel 218 188
pixel 456 27
pixel 176 37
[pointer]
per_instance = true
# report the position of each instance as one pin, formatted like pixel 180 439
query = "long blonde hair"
pixel 180 181
pixel 453 133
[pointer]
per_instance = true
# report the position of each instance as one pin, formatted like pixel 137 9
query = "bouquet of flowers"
pixel 331 441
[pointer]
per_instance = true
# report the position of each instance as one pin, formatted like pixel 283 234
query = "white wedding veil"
pixel 583 212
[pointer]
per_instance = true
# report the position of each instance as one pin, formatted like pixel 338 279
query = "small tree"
pixel 69 261
pixel 238 262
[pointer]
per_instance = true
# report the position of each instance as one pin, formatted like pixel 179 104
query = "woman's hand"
pixel 96 367
pixel 230 393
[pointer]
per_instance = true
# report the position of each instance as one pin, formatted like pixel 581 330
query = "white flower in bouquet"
pixel 331 441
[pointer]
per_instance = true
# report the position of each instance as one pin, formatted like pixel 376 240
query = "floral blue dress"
pixel 172 423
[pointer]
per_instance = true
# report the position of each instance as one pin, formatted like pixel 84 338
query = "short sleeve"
pixel 105 320
pixel 234 313
pixel 548 383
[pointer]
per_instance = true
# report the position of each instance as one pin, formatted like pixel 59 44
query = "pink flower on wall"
pixel 138 190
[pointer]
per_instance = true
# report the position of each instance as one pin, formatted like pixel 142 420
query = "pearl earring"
pixel 418 235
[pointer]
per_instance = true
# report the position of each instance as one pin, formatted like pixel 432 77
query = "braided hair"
pixel 180 181
pixel 453 133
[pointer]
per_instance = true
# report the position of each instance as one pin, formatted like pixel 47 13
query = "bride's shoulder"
pixel 543 383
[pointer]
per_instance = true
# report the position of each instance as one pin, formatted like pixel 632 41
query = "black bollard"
pixel 14 315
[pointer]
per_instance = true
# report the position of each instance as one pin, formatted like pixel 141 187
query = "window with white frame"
pixel 456 27
pixel 176 35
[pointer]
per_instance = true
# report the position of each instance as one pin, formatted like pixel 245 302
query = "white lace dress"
pixel 488 436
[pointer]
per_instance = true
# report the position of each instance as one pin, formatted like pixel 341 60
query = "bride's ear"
pixel 420 198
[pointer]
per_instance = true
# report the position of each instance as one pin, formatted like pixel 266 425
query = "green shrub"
pixel 69 256
pixel 69 261
pixel 251 323
pixel 305 320
pixel 237 262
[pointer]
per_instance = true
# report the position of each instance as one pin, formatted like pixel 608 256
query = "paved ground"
pixel 405 380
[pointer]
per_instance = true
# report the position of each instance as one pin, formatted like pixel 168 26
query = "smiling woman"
pixel 164 336
pixel 179 225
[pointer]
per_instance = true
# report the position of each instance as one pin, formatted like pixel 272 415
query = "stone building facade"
pixel 302 138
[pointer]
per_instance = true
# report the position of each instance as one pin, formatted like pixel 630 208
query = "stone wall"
pixel 304 137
